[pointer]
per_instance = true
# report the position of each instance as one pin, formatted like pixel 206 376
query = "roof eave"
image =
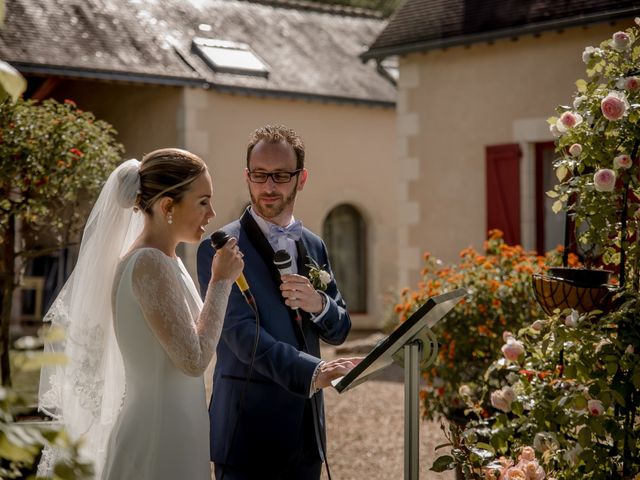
pixel 383 52
pixel 142 78
pixel 109 75
pixel 293 95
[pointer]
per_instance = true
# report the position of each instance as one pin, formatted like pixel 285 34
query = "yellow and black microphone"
pixel 218 240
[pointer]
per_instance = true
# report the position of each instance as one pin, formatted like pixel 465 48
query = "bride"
pixel 137 336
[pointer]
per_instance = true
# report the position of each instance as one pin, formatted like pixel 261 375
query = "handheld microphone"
pixel 282 261
pixel 218 240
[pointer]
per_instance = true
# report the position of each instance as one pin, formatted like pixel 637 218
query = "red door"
pixel 503 190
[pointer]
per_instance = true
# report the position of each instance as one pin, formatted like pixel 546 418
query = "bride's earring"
pixel 169 218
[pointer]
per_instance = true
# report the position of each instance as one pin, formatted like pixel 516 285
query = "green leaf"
pixel 552 194
pixel 561 172
pixel 579 402
pixel 485 446
pixel 443 463
pixel 516 407
pixel 557 206
pixel 582 85
pixel 584 437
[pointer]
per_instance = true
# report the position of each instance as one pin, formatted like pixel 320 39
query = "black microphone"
pixel 218 240
pixel 282 261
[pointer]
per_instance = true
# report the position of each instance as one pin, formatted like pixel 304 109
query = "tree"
pixel 53 161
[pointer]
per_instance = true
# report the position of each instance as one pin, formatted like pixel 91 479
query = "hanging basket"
pixel 579 289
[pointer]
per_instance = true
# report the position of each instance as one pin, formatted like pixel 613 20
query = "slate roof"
pixel 312 50
pixel 420 25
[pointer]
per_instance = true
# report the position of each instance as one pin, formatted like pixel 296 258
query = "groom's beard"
pixel 272 210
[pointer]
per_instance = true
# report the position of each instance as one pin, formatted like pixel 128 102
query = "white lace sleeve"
pixel 159 290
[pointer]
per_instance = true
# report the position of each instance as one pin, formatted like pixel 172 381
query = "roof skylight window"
pixel 230 57
pixel 390 68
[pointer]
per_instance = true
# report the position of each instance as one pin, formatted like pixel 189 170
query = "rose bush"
pixel 498 280
pixel 597 146
pixel 568 386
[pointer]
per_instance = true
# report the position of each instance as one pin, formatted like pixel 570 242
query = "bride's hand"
pixel 227 262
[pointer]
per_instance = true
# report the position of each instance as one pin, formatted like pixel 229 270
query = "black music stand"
pixel 414 345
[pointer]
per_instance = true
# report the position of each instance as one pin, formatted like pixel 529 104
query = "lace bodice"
pixel 187 335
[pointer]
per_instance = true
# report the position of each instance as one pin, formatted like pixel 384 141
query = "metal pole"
pixel 411 409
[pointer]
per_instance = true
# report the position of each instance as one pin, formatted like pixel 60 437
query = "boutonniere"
pixel 318 277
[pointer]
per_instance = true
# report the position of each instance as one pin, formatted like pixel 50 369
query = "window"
pixel 390 69
pixel 230 57
pixel 344 232
pixel 549 225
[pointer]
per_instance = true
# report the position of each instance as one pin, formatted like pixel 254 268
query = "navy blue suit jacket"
pixel 273 419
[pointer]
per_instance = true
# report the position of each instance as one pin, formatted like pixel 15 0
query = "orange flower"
pixel 452 350
pixel 545 373
pixel 496 303
pixel 398 308
pixel 495 234
pixel 483 330
pixel 527 373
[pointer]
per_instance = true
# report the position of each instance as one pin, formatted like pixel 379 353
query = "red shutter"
pixel 503 190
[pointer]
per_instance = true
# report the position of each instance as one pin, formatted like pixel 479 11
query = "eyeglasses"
pixel 277 177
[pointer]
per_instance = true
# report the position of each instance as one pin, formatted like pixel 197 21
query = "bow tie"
pixel 293 231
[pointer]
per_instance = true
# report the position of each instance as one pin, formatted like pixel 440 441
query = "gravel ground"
pixel 365 432
pixel 365 426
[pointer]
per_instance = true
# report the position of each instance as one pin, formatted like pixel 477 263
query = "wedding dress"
pixel 162 431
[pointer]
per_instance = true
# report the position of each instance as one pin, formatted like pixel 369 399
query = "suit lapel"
pixel 307 324
pixel 261 244
pixel 263 247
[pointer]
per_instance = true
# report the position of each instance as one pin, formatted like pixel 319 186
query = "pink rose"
pixel 505 462
pixel 528 454
pixel 614 106
pixel 499 401
pixel 554 131
pixel 568 120
pixel 508 394
pixel 604 180
pixel 595 407
pixel 538 325
pixel 571 320
pixel 631 84
pixel 532 470
pixel 622 161
pixel 575 149
pixel 506 335
pixel 514 473
pixel 512 349
pixel 620 41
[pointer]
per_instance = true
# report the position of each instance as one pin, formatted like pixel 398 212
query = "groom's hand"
pixel 299 293
pixel 335 369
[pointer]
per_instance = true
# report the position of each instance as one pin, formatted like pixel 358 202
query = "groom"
pixel 277 431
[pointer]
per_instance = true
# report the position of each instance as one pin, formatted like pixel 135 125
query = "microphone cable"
pixel 283 261
pixel 218 243
pixel 245 388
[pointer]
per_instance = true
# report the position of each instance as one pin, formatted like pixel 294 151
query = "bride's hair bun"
pixel 128 184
